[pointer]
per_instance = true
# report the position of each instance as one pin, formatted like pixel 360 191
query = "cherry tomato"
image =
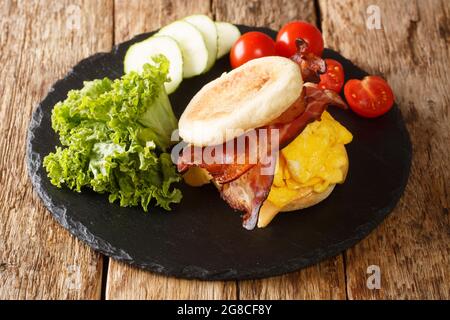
pixel 251 45
pixel 370 97
pixel 285 44
pixel 333 79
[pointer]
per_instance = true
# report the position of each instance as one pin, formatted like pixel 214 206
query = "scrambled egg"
pixel 315 160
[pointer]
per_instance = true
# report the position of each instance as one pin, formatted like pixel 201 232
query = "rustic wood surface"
pixel 41 40
pixel 38 44
pixel 412 247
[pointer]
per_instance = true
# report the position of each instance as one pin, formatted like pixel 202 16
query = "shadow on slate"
pixel 202 237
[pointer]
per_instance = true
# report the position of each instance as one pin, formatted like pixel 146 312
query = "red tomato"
pixel 370 97
pixel 251 45
pixel 333 79
pixel 299 29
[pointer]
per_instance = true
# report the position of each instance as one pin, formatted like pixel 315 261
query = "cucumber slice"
pixel 228 34
pixel 192 45
pixel 141 53
pixel 207 28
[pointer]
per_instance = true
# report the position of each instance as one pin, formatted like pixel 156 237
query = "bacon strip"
pixel 249 192
pixel 311 65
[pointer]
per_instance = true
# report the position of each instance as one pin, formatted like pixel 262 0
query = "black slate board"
pixel 202 237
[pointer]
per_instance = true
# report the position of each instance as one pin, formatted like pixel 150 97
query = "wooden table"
pixel 41 40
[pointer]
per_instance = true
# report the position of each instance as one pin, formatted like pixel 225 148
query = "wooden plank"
pixel 323 281
pixel 137 16
pixel 123 281
pixel 264 13
pixel 39 42
pixel 412 248
pixel 128 283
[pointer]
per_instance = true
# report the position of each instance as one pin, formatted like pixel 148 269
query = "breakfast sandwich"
pixel 262 135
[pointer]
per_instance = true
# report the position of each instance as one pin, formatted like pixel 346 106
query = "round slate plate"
pixel 202 237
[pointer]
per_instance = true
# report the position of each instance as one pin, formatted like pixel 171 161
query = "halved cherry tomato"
pixel 286 37
pixel 370 97
pixel 251 45
pixel 333 79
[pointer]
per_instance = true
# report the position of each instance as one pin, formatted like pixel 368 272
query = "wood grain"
pixel 411 51
pixel 123 281
pixel 138 16
pixel 126 282
pixel 323 281
pixel 264 13
pixel 39 42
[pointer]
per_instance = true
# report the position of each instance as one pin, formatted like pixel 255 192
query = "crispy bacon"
pixel 249 192
pixel 311 65
pixel 317 99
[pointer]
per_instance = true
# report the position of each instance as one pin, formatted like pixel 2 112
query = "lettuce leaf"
pixel 114 139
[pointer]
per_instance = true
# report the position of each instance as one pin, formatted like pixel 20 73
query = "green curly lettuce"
pixel 115 136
